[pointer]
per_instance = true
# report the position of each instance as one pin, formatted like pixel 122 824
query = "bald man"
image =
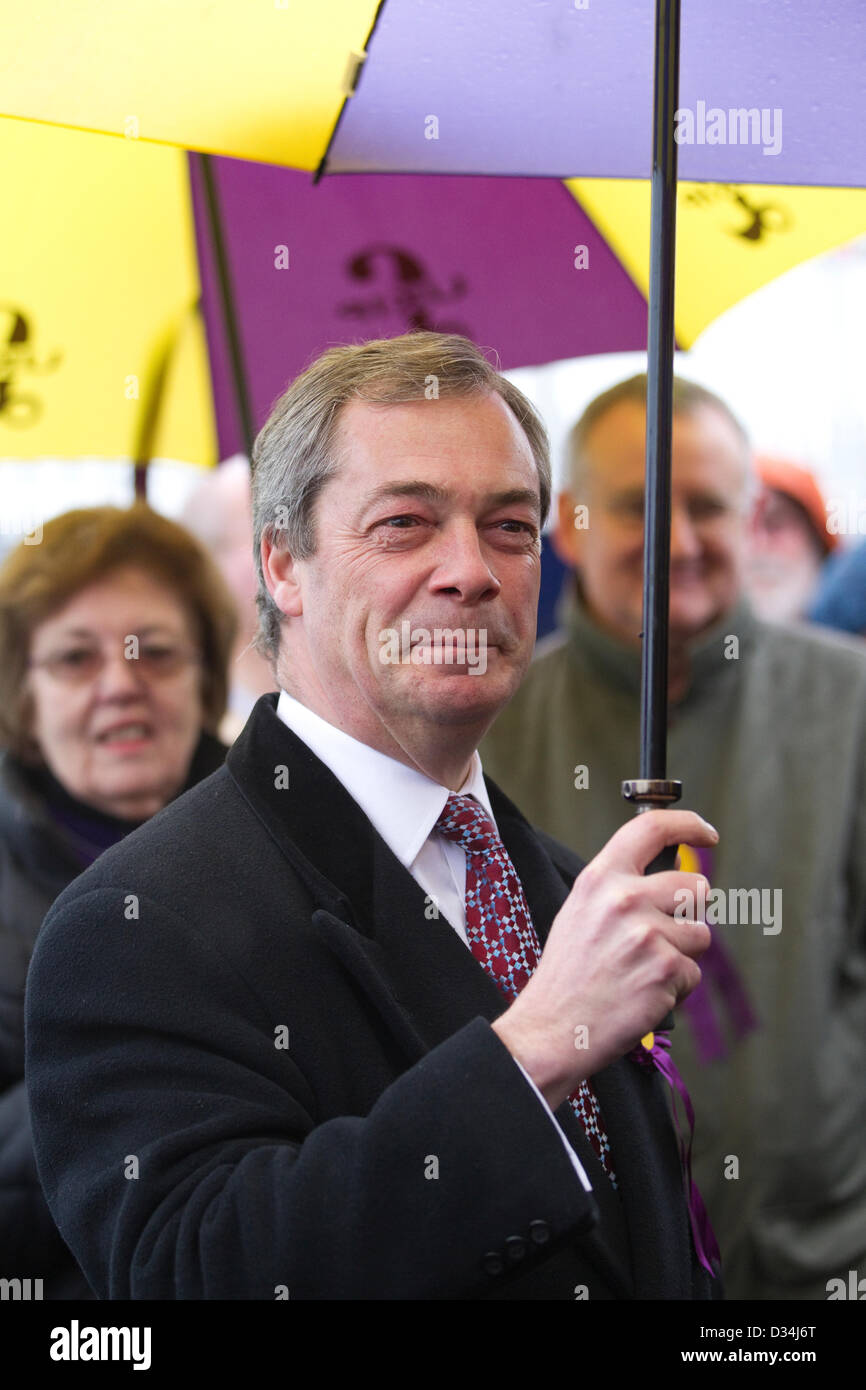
pixel 767 732
pixel 219 513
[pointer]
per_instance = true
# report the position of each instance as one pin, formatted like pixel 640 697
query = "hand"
pixel 616 960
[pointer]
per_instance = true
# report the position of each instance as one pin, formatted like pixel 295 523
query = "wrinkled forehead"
pixel 457 441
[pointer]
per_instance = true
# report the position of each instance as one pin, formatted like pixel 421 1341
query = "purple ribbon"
pixel 706 1245
pixel 719 971
pixel 718 968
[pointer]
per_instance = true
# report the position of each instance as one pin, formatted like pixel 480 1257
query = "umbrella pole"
pixel 660 379
pixel 652 788
pixel 227 301
pixel 157 377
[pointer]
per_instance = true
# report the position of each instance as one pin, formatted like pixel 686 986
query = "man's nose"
pixel 685 541
pixel 461 567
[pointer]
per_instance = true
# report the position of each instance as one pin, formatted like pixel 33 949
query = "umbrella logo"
pixel 401 285
pixel 763 219
pixel 19 408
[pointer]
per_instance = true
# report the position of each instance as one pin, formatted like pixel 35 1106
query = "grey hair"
pixel 688 397
pixel 296 450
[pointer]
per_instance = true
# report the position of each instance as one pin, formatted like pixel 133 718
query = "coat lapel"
pixel 370 908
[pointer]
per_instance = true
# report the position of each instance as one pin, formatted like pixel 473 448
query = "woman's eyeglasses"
pixel 82 662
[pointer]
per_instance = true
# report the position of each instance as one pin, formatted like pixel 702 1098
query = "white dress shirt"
pixel 404 806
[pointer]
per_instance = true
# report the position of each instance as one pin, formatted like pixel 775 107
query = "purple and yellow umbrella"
pixel 767 110
pixel 102 350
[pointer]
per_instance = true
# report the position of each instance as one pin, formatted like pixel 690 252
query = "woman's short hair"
pixel 78 549
pixel 295 453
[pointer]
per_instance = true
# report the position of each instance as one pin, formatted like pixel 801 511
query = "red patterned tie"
pixel 501 934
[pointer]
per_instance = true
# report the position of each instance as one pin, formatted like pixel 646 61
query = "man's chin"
pixel 460 694
pixel 689 621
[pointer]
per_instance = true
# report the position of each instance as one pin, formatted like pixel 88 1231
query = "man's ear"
pixel 282 578
pixel 566 535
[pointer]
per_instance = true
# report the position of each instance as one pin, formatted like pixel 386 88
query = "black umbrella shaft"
pixel 227 302
pixel 660 378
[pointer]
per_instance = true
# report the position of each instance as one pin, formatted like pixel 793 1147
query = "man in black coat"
pixel 262 1061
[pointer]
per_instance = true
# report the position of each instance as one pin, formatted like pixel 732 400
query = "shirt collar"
pixel 402 803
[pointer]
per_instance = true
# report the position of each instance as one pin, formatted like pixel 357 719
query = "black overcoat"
pixel 259 1067
pixel 38 858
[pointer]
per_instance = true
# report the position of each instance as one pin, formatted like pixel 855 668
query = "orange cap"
pixel 799 484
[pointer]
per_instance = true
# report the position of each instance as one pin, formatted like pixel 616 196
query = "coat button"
pixel 539 1232
pixel 493 1262
pixel 515 1248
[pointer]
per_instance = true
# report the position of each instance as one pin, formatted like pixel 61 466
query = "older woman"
pixel 115 633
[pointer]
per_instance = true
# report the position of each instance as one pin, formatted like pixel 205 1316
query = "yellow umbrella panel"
pixel 731 238
pixel 98 301
pixel 184 72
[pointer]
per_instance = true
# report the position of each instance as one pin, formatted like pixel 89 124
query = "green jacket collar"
pixel 615 663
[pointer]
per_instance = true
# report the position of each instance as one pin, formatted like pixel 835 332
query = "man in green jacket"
pixel 767 732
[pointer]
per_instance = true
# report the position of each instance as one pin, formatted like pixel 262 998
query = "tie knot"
pixel 467 823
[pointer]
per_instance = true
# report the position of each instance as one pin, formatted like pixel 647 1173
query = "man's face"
pixel 785 558
pixel 708 521
pixel 431 522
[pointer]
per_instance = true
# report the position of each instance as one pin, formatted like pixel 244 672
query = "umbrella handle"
pixel 664 861
pixel 648 794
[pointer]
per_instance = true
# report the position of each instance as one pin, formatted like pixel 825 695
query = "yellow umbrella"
pixel 161 73
pixel 256 81
pixel 99 283
pixel 98 305
pixel 731 238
